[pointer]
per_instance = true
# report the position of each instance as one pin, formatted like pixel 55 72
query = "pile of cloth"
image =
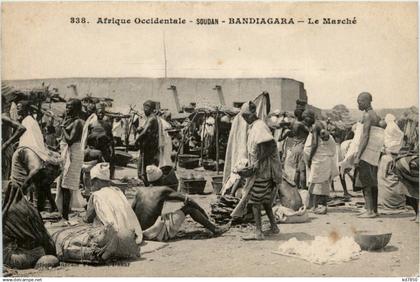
pixel 221 210
pixel 322 250
pixel 25 238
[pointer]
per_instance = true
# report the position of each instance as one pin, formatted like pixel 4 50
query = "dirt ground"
pixel 228 255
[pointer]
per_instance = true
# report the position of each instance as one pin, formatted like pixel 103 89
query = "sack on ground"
pixel 286 215
pixel 96 245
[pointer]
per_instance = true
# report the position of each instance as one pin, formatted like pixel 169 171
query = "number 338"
pixel 78 20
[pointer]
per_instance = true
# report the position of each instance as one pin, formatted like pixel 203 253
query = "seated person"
pixel 108 205
pixel 148 205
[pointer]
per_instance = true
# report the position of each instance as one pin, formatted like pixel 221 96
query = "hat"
pixel 153 173
pixel 100 171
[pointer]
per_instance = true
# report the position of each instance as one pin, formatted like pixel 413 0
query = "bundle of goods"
pixel 221 210
pixel 21 258
pixel 122 158
pixel 94 245
pixel 25 238
pixel 188 161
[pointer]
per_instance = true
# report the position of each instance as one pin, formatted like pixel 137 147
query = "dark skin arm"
pixel 33 167
pixel 314 144
pixel 284 134
pixel 144 130
pixel 266 149
pixel 75 133
pixel 176 196
pixel 90 214
pixel 18 131
pixel 367 123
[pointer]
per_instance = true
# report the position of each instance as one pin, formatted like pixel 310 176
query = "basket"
pixel 122 158
pixel 211 165
pixel 188 161
pixel 192 186
pixel 370 241
pixel 217 178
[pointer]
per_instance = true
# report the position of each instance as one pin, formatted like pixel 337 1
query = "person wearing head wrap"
pixel 108 205
pixel 148 141
pixel 320 158
pixel 390 194
pixel 264 161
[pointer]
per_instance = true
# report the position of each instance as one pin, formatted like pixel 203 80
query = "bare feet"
pixel 368 214
pixel 321 210
pixel 258 236
pixel 272 231
pixel 221 229
pixel 275 229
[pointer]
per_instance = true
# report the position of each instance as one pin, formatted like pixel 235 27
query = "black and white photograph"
pixel 210 139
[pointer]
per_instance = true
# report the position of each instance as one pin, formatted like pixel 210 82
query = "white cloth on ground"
pixel 112 207
pixel 322 250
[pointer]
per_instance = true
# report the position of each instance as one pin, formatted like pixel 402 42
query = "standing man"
pixel 100 137
pixel 264 161
pixel 148 141
pixel 367 156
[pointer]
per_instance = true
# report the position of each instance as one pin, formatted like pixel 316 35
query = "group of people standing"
pixel 314 153
pixel 86 138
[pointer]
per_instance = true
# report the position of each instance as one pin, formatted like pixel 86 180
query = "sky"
pixel 379 54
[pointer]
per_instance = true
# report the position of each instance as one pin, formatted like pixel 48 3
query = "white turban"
pixel 153 173
pixel 100 171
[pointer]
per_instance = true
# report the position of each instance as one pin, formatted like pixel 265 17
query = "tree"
pixel 340 112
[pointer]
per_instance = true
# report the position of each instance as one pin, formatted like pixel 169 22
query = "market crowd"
pixel 271 159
